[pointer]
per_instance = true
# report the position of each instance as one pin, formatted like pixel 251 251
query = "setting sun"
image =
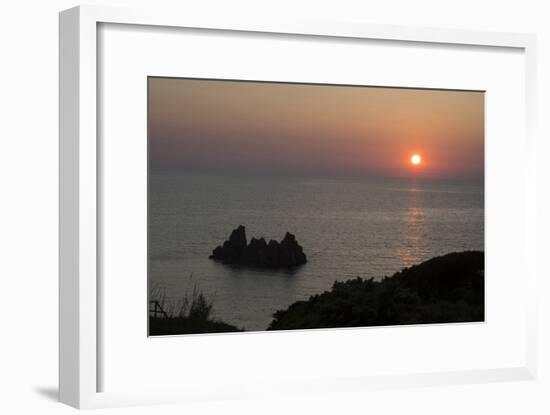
pixel 416 159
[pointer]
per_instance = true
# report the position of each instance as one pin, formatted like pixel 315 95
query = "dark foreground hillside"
pixel 163 326
pixel 193 317
pixel 444 289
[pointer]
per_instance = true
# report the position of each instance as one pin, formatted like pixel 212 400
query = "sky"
pixel 218 126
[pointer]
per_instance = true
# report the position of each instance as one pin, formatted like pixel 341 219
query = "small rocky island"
pixel 258 253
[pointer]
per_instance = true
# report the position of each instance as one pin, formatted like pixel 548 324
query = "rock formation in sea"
pixel 258 253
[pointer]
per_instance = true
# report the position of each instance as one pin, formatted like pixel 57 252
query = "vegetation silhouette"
pixel 445 289
pixel 192 316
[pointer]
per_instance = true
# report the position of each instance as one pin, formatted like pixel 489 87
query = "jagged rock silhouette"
pixel 258 253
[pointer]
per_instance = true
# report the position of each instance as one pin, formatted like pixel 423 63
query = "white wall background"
pixel 28 207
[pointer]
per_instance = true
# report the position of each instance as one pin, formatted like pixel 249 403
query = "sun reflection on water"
pixel 412 246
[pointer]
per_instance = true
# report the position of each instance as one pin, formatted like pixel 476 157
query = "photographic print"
pixel 281 206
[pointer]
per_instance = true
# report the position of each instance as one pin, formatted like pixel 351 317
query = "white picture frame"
pixel 79 361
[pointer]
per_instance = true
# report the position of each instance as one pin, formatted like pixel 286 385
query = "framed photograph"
pixel 385 183
pixel 259 206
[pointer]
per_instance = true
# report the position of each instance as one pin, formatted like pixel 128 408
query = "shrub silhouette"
pixel 444 289
pixel 200 309
pixel 193 316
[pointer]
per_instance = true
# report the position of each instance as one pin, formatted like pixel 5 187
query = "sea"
pixel 348 226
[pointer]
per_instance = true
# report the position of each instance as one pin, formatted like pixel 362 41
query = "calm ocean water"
pixel 349 227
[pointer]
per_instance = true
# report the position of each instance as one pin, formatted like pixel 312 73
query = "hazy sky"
pixel 272 128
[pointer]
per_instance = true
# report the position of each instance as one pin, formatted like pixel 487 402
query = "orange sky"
pixel 253 127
